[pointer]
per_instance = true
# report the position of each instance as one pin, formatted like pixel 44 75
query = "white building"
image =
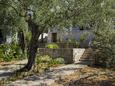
pixel 85 37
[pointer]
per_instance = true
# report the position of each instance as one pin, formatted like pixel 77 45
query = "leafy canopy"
pixel 51 13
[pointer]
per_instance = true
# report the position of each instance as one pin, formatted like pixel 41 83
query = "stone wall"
pixel 61 45
pixel 70 55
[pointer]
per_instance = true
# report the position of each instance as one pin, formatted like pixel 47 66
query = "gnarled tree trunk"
pixel 33 45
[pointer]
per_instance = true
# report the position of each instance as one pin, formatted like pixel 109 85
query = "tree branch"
pixel 19 14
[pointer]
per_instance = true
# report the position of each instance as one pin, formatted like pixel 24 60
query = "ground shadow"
pixel 6 74
pixel 86 82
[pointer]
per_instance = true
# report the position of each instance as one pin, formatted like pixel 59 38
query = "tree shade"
pixel 41 15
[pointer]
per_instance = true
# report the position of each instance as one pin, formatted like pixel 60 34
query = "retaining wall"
pixel 70 55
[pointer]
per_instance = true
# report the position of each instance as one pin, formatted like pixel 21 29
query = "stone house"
pixel 83 36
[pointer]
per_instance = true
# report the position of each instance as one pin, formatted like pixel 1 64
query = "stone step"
pixel 86 60
pixel 85 57
pixel 87 54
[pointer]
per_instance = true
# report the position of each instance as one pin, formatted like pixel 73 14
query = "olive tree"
pixel 41 15
pixel 104 38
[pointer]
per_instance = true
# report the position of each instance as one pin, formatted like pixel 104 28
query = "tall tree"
pixel 41 15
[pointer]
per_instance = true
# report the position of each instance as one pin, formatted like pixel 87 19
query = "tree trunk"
pixel 32 50
pixel 42 39
pixel 33 45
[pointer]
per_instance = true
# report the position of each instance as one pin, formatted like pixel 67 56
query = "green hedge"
pixel 105 48
pixel 10 52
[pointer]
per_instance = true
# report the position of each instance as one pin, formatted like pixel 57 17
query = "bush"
pixel 105 48
pixel 83 37
pixel 74 41
pixel 43 62
pixel 57 61
pixel 10 52
pixel 60 60
pixel 52 46
pixel 43 59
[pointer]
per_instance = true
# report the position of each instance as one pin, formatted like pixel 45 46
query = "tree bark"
pixel 33 45
pixel 32 50
pixel 42 39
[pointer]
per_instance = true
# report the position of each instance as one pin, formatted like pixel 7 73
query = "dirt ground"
pixel 88 77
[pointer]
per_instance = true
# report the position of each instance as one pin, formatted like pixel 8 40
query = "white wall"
pixel 74 33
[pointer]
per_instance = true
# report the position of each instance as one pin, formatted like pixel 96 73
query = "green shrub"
pixel 71 40
pixel 43 59
pixel 52 46
pixel 105 48
pixel 60 60
pixel 57 61
pixel 74 41
pixel 10 52
pixel 44 62
pixel 83 37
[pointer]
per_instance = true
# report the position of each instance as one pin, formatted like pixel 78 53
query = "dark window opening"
pixel 1 37
pixel 81 28
pixel 54 37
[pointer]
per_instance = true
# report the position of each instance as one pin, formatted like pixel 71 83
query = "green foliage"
pixel 10 52
pixel 52 13
pixel 27 37
pixel 74 41
pixel 105 44
pixel 83 37
pixel 52 46
pixel 43 59
pixel 44 62
pixel 56 61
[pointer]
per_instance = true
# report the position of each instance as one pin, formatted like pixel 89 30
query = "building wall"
pixel 64 36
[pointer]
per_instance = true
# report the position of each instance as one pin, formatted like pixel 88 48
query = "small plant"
pixel 60 60
pixel 52 46
pixel 83 37
pixel 57 61
pixel 45 62
pixel 43 59
pixel 10 52
pixel 74 41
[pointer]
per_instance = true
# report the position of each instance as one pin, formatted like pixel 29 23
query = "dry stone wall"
pixel 70 55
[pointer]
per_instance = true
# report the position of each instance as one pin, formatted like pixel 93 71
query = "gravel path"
pixel 45 79
pixel 48 78
pixel 7 69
